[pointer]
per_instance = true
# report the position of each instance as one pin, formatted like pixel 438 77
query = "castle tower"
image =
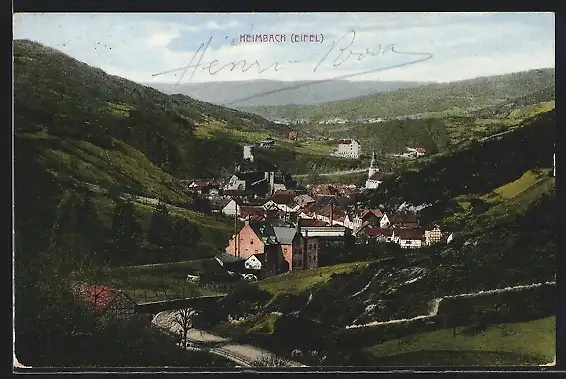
pixel 372 166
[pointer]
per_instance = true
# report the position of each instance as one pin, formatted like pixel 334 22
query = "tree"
pixel 182 321
pixel 126 230
pixel 160 228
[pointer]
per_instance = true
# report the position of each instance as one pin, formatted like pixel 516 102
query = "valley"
pixel 412 241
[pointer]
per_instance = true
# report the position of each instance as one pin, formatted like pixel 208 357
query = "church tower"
pixel 372 166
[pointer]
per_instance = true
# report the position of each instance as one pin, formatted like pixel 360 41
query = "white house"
pixel 408 238
pixel 231 208
pixel 348 148
pixel 249 153
pixel 235 184
pixel 416 151
pixel 253 263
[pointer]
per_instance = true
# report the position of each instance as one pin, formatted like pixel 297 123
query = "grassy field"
pixel 524 343
pixel 162 281
pixel 298 281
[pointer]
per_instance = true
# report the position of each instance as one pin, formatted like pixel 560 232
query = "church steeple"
pixel 372 166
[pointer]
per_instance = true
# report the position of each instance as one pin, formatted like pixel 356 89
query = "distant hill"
pixel 432 98
pixel 273 92
pixel 75 124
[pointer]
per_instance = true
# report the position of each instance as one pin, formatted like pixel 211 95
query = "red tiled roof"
pixel 364 212
pixel 420 149
pixel 205 182
pixel 98 296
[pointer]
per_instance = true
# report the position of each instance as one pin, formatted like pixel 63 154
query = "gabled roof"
pixel 409 233
pixel 282 198
pixel 379 176
pixel 224 258
pixel 285 235
pixel 402 218
pixel 376 232
pixel 365 212
pixel 305 198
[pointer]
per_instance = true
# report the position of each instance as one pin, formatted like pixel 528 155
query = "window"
pixel 251 242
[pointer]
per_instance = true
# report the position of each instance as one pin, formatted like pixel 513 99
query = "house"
pixel 348 148
pixel 367 232
pixel 307 222
pixel 249 153
pixel 108 303
pixel 293 136
pixel 202 186
pixel 416 151
pixel 259 214
pixel 399 219
pixel 285 201
pixel 356 219
pixel 408 238
pixel 230 262
pixel 255 262
pixel 231 207
pixel 303 200
pixel 235 183
pixel 280 241
pixel 267 144
pixel 433 235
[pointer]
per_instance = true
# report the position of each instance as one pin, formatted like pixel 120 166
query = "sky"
pixel 195 48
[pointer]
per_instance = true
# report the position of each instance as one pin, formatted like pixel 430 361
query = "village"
pixel 288 227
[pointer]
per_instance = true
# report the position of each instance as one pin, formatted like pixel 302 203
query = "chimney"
pixel 331 215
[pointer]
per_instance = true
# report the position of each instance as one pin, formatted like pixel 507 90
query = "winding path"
pixel 244 355
pixel 435 304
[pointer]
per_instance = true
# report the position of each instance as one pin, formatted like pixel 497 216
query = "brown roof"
pixel 402 218
pixel 287 199
pixel 420 149
pixel 345 141
pixel 379 176
pixel 409 233
pixel 285 192
pixel 376 232
pixel 312 222
pixel 364 212
pixel 200 183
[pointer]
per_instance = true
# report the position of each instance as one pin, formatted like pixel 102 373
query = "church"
pixel 375 177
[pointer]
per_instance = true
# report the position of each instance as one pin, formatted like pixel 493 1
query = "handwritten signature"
pixel 343 55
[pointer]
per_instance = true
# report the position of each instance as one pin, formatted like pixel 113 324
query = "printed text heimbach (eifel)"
pixel 282 38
